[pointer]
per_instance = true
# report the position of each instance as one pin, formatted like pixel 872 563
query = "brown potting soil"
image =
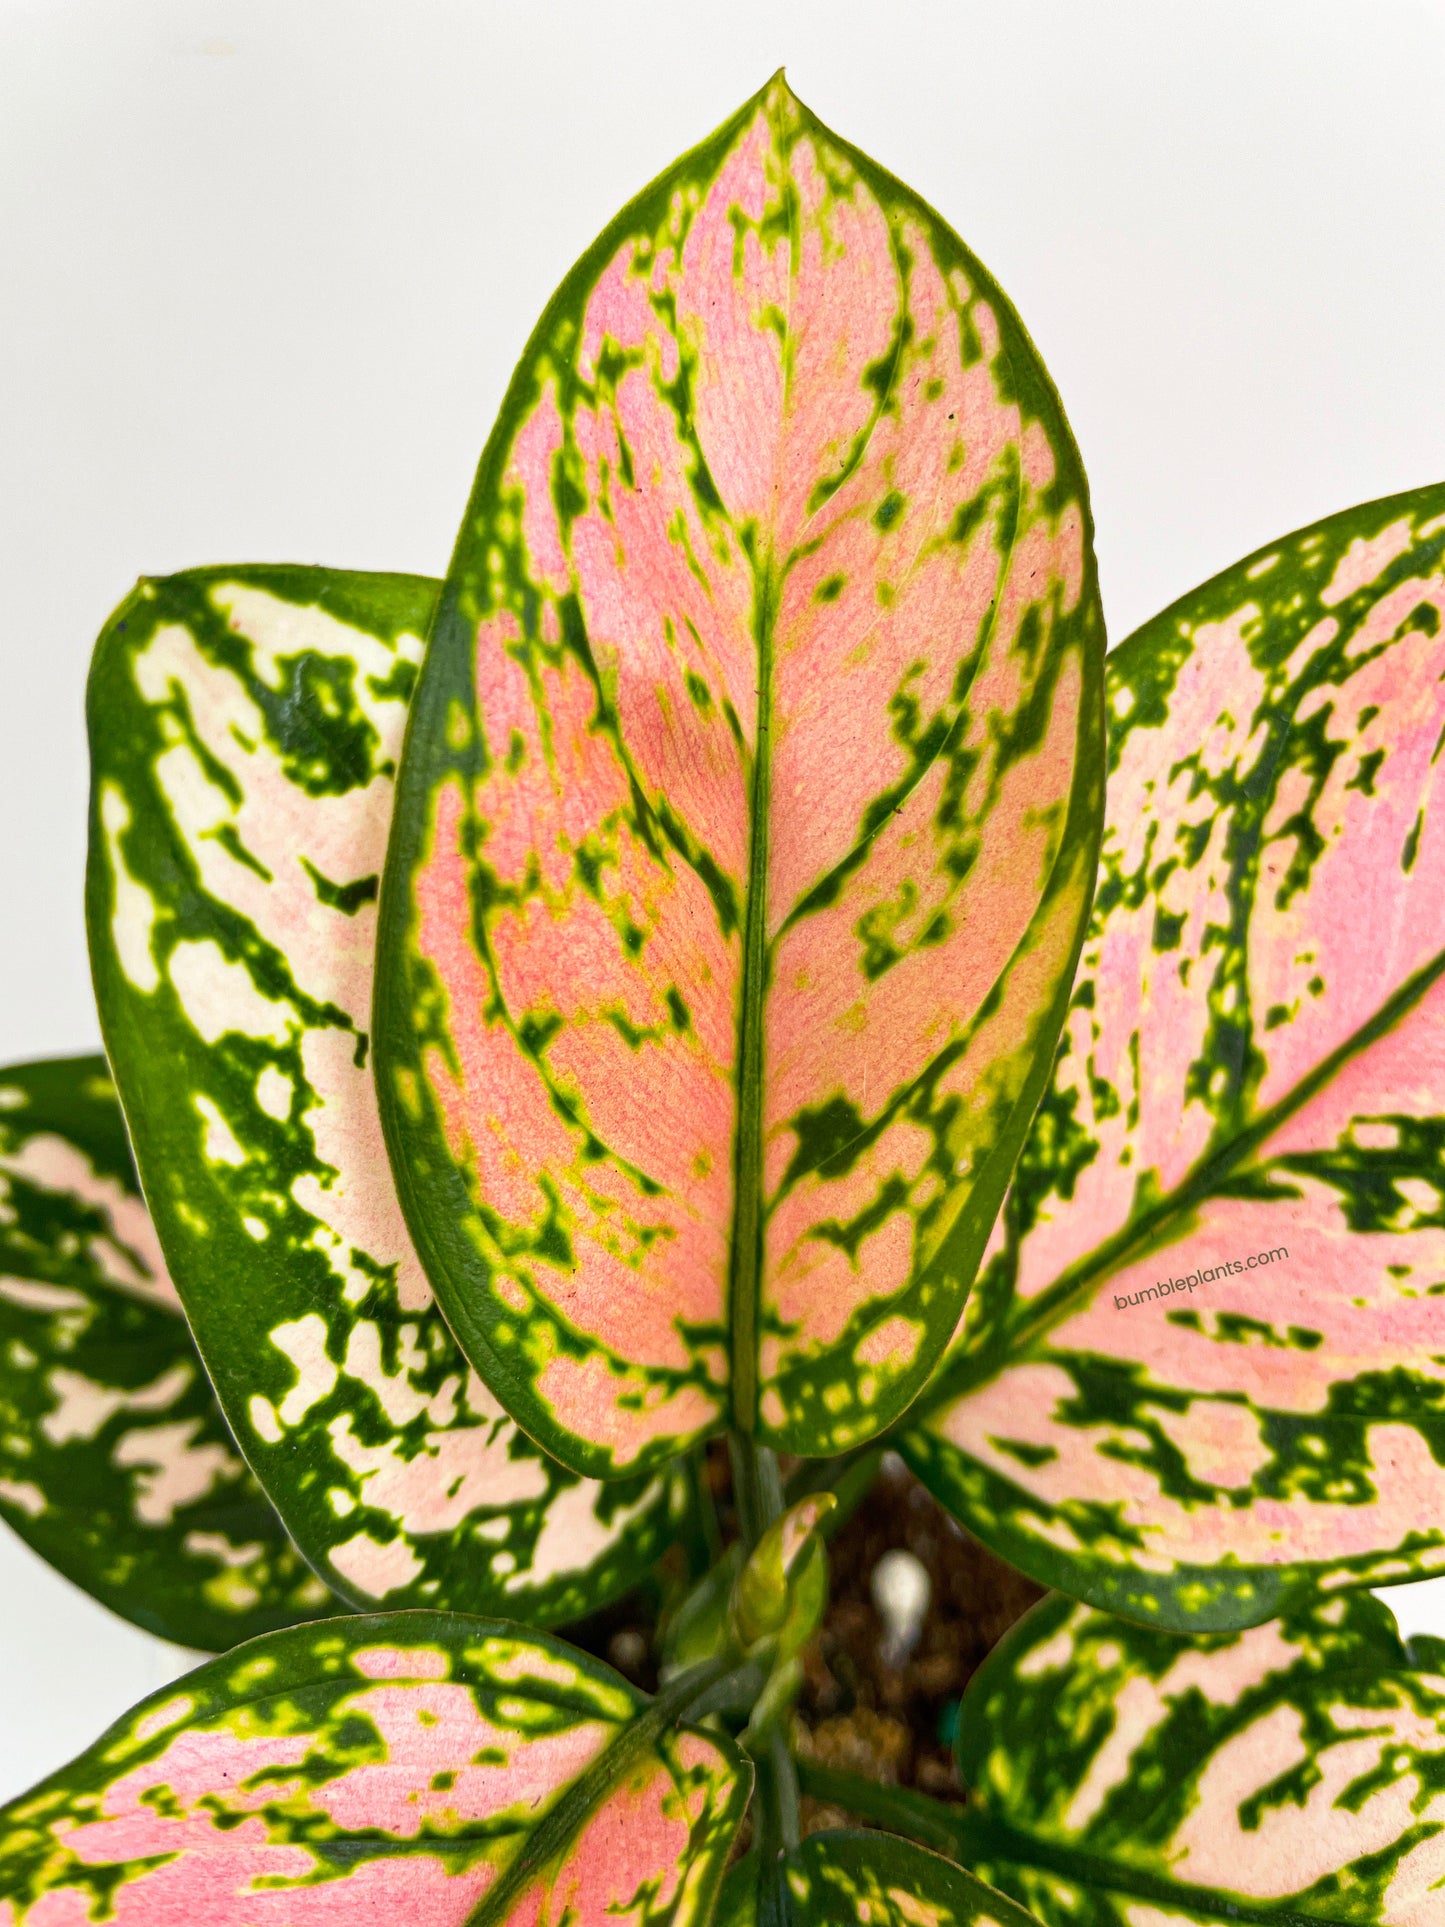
pixel 888 1721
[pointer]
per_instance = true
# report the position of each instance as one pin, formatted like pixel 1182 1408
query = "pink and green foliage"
pixel 1202 1373
pixel 244 728
pixel 1118 1774
pixel 413 1768
pixel 115 1462
pixel 717 846
pixel 747 815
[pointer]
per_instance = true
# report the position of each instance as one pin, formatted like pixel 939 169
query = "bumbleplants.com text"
pixel 1227 1268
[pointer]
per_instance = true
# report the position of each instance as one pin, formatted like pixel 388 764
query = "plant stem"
pixel 756 1486
pixel 759 1493
pixel 777 1827
pixel 938 1826
pixel 783 1776
pixel 559 1829
pixel 704 1506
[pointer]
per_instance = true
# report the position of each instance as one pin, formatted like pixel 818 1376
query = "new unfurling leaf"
pixel 785 1572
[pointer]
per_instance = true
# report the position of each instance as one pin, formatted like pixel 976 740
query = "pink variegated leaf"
pixel 1120 1776
pixel 421 1769
pixel 244 728
pixel 747 816
pixel 1204 1372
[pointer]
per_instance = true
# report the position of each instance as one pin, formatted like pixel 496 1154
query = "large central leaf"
pixel 747 815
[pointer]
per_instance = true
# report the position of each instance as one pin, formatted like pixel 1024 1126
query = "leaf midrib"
pixel 750 1207
pixel 745 1266
pixel 745 1260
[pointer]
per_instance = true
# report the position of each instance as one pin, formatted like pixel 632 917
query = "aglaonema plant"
pixel 681 977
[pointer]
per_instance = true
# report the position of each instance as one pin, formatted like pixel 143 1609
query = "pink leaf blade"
pixel 391 1765
pixel 749 802
pixel 1203 1374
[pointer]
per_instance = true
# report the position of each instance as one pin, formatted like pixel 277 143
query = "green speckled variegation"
pixel 115 1462
pixel 244 727
pixel 747 818
pixel 866 1880
pixel 1118 1776
pixel 382 1771
pixel 1204 1370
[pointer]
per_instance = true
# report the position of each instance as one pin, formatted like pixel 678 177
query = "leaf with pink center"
pixel 1117 1775
pixel 398 1767
pixel 747 817
pixel 116 1464
pixel 245 725
pixel 1203 1374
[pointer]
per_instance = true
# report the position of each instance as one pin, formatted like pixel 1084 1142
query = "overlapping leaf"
pixel 385 1768
pixel 1203 1370
pixel 867 1880
pixel 115 1462
pixel 747 816
pixel 1292 1772
pixel 244 729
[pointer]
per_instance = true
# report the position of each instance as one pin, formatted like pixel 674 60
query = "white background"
pixel 265 268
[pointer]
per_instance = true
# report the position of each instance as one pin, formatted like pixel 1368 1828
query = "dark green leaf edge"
pixel 382 604
pixel 88 1531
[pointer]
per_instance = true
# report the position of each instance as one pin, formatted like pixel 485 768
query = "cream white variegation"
pixel 116 1464
pixel 245 725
